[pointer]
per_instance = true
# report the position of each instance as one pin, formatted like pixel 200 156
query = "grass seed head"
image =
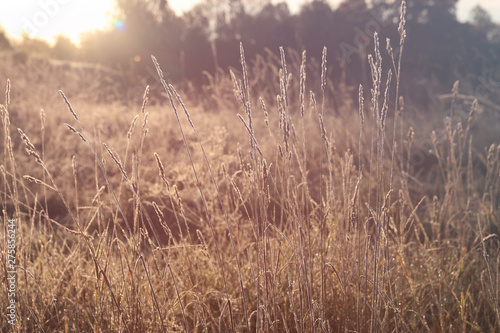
pixel 7 94
pixel 323 70
pixel 132 126
pixel 402 23
pixel 145 99
pixel 68 104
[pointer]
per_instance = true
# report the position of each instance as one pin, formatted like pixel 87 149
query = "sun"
pixel 180 6
pixel 47 19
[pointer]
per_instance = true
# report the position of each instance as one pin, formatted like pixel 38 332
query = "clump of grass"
pixel 294 218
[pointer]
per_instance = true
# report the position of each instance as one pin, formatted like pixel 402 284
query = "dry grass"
pixel 303 213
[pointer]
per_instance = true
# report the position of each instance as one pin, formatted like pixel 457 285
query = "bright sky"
pixel 48 18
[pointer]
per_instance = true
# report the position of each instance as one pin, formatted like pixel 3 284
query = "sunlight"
pixel 49 18
pixel 343 174
pixel 181 6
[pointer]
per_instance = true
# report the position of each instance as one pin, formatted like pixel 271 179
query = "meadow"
pixel 270 200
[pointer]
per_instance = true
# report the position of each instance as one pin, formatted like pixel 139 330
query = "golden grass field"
pixel 268 201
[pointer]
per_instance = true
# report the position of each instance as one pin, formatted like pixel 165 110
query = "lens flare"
pixel 119 24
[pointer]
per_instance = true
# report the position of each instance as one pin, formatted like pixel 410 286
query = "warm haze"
pixel 48 18
pixel 331 170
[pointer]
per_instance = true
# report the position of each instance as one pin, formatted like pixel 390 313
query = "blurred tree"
pixel 349 8
pixel 36 46
pixel 4 41
pixel 431 11
pixel 216 27
pixel 230 19
pixel 483 38
pixel 435 39
pixel 197 52
pixel 207 37
pixel 353 29
pixel 271 18
pixel 481 18
pixel 315 27
pixel 64 49
pixel 152 28
pixel 482 21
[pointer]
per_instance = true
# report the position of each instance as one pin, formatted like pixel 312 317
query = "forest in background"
pixel 206 39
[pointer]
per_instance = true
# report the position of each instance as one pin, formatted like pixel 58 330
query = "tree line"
pixel 207 37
